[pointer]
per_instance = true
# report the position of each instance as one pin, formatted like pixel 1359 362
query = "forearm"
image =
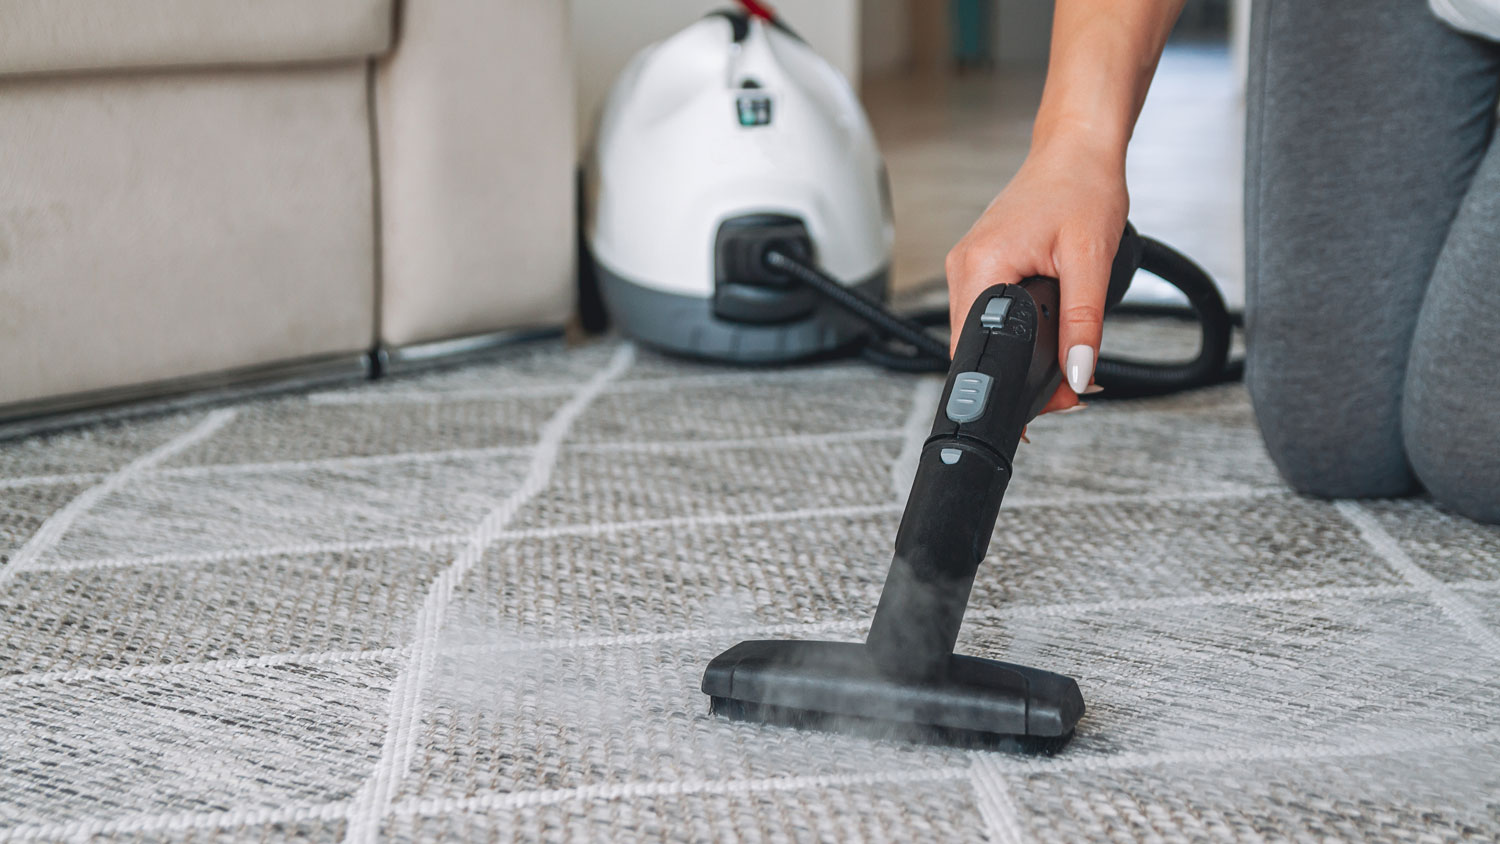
pixel 1063 212
pixel 1104 53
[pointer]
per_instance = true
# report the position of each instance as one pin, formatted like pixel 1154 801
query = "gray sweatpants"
pixel 1372 214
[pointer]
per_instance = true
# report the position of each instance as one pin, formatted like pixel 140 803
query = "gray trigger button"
pixel 995 312
pixel 950 455
pixel 966 402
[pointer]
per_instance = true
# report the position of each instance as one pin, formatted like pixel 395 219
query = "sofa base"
pixel 395 360
pixel 69 411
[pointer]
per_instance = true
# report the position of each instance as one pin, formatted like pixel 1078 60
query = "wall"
pixel 1023 32
pixel 884 36
pixel 606 33
pixel 929 34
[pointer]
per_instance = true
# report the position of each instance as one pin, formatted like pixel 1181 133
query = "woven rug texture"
pixel 475 604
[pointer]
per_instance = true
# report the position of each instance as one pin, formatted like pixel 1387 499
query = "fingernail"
pixel 1076 407
pixel 1080 367
pixel 1091 389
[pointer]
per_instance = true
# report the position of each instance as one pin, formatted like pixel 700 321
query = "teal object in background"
pixel 973 28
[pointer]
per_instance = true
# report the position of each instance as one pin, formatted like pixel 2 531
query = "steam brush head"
pixel 839 686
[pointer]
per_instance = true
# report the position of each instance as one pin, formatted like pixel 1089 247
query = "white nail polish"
pixel 1080 367
pixel 1091 389
pixel 1073 409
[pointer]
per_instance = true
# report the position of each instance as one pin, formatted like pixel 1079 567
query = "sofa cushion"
pixel 41 36
pixel 477 217
pixel 166 225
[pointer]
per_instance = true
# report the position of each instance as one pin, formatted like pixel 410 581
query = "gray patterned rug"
pixel 475 604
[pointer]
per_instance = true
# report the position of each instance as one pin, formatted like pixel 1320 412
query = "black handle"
pixel 1003 372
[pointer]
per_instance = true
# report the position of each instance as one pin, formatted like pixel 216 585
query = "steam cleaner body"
pixel 725 138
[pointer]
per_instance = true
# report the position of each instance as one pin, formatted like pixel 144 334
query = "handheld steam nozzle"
pixel 905 680
pixel 1004 370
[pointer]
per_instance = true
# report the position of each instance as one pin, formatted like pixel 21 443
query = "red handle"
pixel 759 9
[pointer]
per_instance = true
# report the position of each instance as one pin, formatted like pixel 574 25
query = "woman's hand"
pixel 1061 216
pixel 1064 212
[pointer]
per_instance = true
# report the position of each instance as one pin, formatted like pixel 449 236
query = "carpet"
pixel 476 603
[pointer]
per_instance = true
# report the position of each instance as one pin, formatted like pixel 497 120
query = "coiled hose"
pixel 1120 378
pixel 1128 378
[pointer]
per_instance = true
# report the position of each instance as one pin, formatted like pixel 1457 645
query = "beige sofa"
pixel 198 192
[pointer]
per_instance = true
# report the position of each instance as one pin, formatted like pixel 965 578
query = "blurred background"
pixel 280 193
pixel 951 87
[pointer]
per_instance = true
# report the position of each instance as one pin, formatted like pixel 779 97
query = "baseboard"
pixel 396 360
pixel 54 413
pixel 115 403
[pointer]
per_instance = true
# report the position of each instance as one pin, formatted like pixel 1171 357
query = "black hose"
pixel 882 355
pixel 1120 378
pixel 1129 379
pixel 1169 310
pixel 872 313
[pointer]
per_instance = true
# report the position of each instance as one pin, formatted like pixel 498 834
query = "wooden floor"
pixel 951 143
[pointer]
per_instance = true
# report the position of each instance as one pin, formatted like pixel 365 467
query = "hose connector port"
pixel 746 287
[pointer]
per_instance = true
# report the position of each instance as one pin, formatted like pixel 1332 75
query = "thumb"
pixel 1083 276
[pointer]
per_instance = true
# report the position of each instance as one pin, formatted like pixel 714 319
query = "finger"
pixel 958 305
pixel 1083 269
pixel 1063 399
pixel 967 278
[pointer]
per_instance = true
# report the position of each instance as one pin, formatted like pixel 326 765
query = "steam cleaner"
pixel 736 209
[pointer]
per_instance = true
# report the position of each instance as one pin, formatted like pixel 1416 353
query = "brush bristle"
pixel 806 719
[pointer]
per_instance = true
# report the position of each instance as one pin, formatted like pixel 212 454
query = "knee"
pixel 1451 443
pixel 1325 439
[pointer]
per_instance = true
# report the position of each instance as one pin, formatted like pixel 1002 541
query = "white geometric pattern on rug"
pixel 476 603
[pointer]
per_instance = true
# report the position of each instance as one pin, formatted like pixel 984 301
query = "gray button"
pixel 950 455
pixel 995 312
pixel 970 390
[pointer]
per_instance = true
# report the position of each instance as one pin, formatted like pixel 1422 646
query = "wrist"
pixel 1076 138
